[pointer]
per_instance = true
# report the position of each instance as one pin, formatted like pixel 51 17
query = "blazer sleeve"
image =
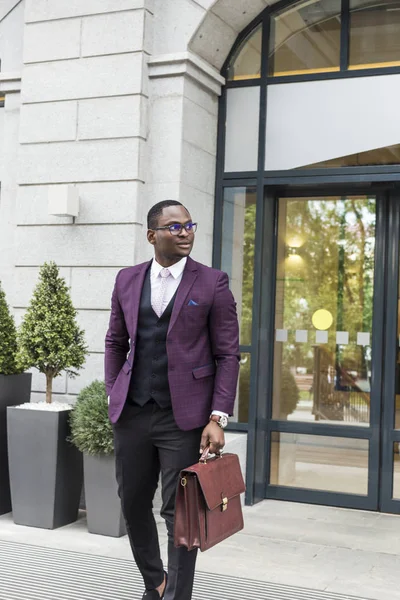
pixel 224 336
pixel 117 341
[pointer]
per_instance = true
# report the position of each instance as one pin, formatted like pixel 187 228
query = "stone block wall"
pixel 83 122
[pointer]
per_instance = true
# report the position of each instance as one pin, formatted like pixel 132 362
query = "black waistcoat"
pixel 149 378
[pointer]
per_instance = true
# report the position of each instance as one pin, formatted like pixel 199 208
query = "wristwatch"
pixel 220 420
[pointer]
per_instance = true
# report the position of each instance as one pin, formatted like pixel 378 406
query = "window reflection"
pixel 322 369
pixel 390 155
pixel 305 38
pixel 374 34
pixel 319 463
pixel 246 63
pixel 237 259
pixel 243 399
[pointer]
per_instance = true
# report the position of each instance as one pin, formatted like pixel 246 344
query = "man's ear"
pixel 151 236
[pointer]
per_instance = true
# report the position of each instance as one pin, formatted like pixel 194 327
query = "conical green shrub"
pixel 49 338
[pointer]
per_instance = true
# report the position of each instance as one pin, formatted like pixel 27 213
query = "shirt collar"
pixel 176 270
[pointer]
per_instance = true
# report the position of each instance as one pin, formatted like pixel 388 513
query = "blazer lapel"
pixel 137 286
pixel 188 278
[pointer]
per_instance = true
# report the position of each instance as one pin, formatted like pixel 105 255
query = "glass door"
pixel 325 431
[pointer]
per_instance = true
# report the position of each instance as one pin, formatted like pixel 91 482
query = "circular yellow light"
pixel 322 319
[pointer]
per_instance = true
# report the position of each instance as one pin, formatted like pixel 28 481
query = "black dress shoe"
pixel 153 594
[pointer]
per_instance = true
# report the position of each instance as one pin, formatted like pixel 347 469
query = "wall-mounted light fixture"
pixel 63 200
pixel 291 251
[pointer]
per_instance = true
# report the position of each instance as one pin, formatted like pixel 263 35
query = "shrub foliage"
pixel 91 430
pixel 49 338
pixel 8 340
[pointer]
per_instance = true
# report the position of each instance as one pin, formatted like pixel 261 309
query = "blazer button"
pixel 153 375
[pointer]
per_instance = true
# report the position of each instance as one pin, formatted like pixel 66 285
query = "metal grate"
pixel 32 573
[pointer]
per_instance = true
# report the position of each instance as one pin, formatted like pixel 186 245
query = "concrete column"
pixel 183 118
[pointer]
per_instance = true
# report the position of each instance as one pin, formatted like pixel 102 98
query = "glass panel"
pixel 381 156
pixel 237 258
pixel 310 122
pixel 374 34
pixel 242 129
pixel 323 318
pixel 246 63
pixel 317 462
pixel 305 38
pixel 396 470
pixel 241 410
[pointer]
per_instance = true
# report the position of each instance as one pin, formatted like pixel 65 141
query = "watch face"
pixel 223 421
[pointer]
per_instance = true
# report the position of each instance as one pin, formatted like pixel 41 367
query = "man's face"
pixel 169 248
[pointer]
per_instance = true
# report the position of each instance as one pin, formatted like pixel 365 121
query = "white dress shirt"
pixel 173 282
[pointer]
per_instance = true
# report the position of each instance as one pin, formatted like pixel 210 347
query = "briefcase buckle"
pixel 224 505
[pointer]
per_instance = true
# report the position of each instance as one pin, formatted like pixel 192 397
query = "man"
pixel 171 369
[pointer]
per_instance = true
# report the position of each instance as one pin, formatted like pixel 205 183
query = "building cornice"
pixel 186 64
pixel 10 82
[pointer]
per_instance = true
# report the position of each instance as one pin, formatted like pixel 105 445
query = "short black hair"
pixel 156 211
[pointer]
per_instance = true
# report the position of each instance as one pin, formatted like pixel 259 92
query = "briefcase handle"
pixel 206 453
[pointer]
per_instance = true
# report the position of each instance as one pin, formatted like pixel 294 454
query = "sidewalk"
pixel 347 552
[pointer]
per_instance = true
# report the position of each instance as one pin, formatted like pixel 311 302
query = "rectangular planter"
pixel 103 506
pixel 14 389
pixel 46 471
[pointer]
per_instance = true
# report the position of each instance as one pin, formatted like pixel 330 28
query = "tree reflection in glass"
pixel 325 261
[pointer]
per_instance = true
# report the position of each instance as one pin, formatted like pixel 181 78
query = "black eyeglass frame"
pixel 193 228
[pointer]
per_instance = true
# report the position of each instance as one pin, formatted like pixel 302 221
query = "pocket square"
pixel 192 303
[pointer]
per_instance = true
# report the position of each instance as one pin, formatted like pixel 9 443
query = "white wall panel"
pixel 2 146
pixel 242 122
pixel 316 121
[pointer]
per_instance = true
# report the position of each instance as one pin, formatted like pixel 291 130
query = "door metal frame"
pixel 389 434
pixel 384 336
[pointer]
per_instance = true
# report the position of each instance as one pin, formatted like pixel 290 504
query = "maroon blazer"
pixel 202 343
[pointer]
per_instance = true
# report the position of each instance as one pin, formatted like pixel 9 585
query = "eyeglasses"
pixel 176 228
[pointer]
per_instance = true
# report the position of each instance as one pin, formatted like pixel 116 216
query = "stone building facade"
pixel 120 99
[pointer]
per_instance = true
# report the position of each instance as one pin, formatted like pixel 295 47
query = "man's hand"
pixel 214 437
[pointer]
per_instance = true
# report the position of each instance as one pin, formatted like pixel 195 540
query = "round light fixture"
pixel 322 319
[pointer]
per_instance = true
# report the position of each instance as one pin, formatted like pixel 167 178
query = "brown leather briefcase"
pixel 208 507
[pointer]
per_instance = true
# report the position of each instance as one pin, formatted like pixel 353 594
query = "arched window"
pixel 246 63
pixel 322 36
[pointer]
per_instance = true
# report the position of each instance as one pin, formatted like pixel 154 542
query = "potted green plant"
pixel 45 469
pixel 15 387
pixel 92 434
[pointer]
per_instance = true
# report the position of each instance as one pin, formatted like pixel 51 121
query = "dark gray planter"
pixel 14 389
pixel 103 506
pixel 46 471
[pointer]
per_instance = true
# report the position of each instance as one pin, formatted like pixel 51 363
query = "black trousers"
pixel 147 442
